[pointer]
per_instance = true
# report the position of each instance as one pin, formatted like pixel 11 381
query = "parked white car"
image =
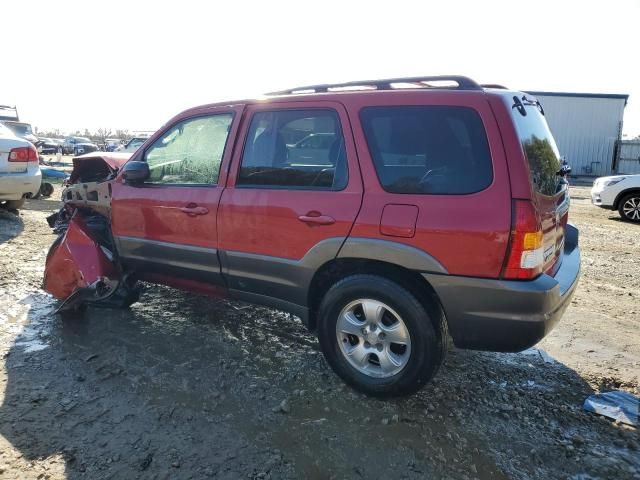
pixel 619 192
pixel 20 175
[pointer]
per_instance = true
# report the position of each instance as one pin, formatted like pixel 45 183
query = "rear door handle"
pixel 193 210
pixel 317 219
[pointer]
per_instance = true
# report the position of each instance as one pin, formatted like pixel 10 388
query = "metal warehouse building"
pixel 587 128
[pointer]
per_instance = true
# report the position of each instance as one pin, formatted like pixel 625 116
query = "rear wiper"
pixel 517 103
pixel 536 103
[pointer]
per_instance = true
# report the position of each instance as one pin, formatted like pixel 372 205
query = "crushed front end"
pixel 82 264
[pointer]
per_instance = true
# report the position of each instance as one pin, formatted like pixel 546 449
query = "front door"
pixel 288 207
pixel 165 229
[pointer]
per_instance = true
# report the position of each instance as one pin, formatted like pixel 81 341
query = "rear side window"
pixel 538 145
pixel 299 149
pixel 428 149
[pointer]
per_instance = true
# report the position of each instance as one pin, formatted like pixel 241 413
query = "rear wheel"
pixel 629 207
pixel 378 336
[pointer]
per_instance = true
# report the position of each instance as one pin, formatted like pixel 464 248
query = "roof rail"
pixel 494 85
pixel 463 83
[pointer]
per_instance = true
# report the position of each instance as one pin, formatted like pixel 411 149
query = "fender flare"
pixel 406 256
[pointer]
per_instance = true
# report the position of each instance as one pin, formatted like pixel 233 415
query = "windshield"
pixel 538 144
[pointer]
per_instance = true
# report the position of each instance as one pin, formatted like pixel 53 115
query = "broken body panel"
pixel 82 263
pixel 77 260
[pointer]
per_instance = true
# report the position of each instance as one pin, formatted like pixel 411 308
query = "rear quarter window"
pixel 428 149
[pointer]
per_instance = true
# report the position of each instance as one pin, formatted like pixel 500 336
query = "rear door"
pixel 550 192
pixel 167 226
pixel 436 176
pixel 287 207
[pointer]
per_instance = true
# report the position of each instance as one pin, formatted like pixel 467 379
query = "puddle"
pixel 26 319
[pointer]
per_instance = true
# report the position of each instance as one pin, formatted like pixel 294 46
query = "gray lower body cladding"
pixel 186 261
pixel 482 314
pixel 508 315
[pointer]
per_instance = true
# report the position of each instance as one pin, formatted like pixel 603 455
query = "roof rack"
pixel 463 83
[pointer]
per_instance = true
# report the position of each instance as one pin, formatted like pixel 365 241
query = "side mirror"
pixel 565 169
pixel 135 172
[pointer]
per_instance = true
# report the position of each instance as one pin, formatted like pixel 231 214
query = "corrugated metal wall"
pixel 628 156
pixel 586 130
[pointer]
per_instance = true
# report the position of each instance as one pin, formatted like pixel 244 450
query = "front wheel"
pixel 379 337
pixel 629 207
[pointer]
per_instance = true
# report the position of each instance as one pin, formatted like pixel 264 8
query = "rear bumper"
pixel 14 186
pixel 508 316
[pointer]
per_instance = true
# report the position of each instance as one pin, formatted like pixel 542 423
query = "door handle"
pixel 192 210
pixel 317 219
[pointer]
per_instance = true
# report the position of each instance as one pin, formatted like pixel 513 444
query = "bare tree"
pixel 123 134
pixel 102 134
pixel 55 133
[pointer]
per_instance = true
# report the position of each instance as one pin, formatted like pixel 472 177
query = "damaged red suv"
pixel 388 215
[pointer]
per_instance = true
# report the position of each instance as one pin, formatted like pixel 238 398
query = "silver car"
pixel 20 175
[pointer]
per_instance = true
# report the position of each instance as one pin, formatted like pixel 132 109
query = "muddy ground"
pixel 183 386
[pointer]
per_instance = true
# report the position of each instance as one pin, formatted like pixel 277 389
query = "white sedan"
pixel 619 192
pixel 20 175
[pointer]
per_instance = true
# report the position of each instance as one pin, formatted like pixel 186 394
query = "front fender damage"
pixel 82 265
pixel 80 270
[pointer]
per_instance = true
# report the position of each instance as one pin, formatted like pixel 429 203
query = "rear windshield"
pixel 428 149
pixel 538 145
pixel 20 128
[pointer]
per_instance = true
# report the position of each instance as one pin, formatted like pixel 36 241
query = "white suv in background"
pixel 619 192
pixel 19 170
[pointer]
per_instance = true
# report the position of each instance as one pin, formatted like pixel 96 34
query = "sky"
pixel 135 64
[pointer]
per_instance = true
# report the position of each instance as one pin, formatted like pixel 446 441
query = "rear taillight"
pixel 23 154
pixel 526 253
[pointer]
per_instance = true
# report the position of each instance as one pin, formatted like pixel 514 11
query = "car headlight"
pixel 613 181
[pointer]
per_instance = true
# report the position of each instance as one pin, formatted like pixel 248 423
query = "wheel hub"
pixel 373 338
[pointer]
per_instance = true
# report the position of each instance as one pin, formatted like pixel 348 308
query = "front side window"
pixel 428 149
pixel 294 149
pixel 190 152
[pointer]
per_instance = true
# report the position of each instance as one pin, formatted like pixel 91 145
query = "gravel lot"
pixel 183 386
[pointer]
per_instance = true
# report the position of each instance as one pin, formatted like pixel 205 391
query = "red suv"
pixel 388 215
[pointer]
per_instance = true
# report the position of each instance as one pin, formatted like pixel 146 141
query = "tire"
pixel 14 204
pixel 629 207
pixel 73 315
pixel 374 364
pixel 46 189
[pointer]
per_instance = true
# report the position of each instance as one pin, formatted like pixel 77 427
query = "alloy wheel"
pixel 631 208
